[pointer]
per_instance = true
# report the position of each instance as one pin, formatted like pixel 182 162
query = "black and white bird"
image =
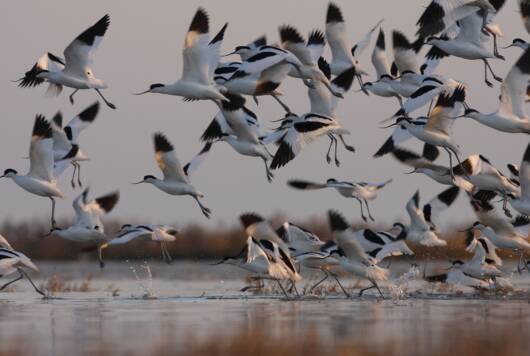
pixel 75 71
pixel 308 53
pixel 520 201
pixel 469 43
pixel 383 86
pixel 360 191
pixel 88 226
pixel 406 59
pixel 66 150
pixel 176 178
pixel 249 50
pixel 383 244
pixel 11 262
pixel 200 57
pixel 40 179
pixel 161 234
pixel 352 257
pixel 422 229
pixel 344 57
pixel 456 275
pixel 435 130
pixel 511 115
pixel 503 232
pixel 268 239
pixel 485 260
pixel 238 126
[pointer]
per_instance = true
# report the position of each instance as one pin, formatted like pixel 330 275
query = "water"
pixel 193 308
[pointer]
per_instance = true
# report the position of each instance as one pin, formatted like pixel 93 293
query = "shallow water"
pixel 199 310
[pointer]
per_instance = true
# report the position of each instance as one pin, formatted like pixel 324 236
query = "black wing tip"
pixel 324 67
pixel 58 119
pixel 248 219
pixel 345 79
pixel 42 127
pixel 90 113
pixel 337 222
pixel 430 152
pixel 436 53
pixel 283 155
pixel 97 30
pixel 289 33
pixel 380 43
pixel 297 184
pixel 200 22
pixel 109 201
pixel 524 62
pixel 448 196
pixel 260 41
pixel 521 220
pixel 399 40
pixel 162 144
pixel 387 147
pixel 316 37
pixel 404 155
pixel 220 35
pixel 334 14
pixel 416 198
pixel 212 132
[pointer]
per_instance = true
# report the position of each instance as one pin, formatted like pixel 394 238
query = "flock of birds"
pixel 459 28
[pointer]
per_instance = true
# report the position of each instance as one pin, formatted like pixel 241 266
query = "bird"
pixel 343 57
pixel 503 232
pixel 351 256
pixel 469 43
pixel 239 127
pixel 12 261
pixel 249 50
pixel 434 130
pixel 360 191
pixel 520 201
pixel 295 132
pixel 66 149
pixel 485 260
pixel 88 226
pixel 422 229
pixel 256 259
pixel 407 63
pixel 200 59
pixel 40 179
pixel 264 72
pixel 149 232
pixel 457 276
pixel 510 116
pixel 307 53
pixel 383 244
pixel 383 86
pixel 176 178
pixel 75 70
pixel 259 228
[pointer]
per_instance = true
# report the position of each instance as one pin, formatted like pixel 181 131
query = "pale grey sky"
pixel 143 46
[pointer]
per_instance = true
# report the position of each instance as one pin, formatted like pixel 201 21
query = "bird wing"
pixel 196 53
pixel 448 106
pixel 264 58
pixel 48 62
pixel 336 35
pixel 292 41
pixel 399 135
pixel 81 122
pixel 360 46
pixel 41 150
pixel 215 51
pixel 341 84
pixel 315 45
pixel 405 56
pixel 379 58
pixel 244 124
pixel 514 88
pixel 100 206
pixel 192 165
pixel 254 251
pixel 439 203
pixel 471 29
pixel 414 211
pixel 305 185
pixel 79 54
pixel 218 126
pixel 167 160
pixel 524 174
pixel 61 144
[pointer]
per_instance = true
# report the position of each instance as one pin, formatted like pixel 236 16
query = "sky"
pixel 143 46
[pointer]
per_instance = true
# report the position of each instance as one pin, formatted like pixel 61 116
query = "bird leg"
pixel 361 83
pixel 282 104
pixel 100 255
pixel 460 163
pixel 488 83
pixel 166 256
pixel 348 295
pixel 33 284
pixel 270 176
pixel 328 157
pixel 72 181
pixel 109 104
pixel 54 223
pixel 260 285
pixel 368 209
pixel 365 289
pixel 207 212
pixel 321 281
pixel 306 81
pixel 337 162
pixel 400 101
pixel 346 146
pixel 499 79
pixel 505 205
pixel 362 211
pixel 450 164
pixel 495 47
pixel 281 287
pixel 71 97
pixel 430 108
pixel 78 174
pixel 11 282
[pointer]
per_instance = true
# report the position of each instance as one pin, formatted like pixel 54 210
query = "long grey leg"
pixel 348 295
pixel 109 104
pixel 33 284
pixel 328 156
pixel 72 181
pixel 362 210
pixel 207 212
pixel 488 83
pixel 71 97
pixel 282 104
pixel 270 176
pixel 54 224
pixel 78 174
pixel 326 276
pixel 346 146
pixel 368 208
pixel 11 282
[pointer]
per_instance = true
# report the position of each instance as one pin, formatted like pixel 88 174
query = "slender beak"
pixel 229 54
pixel 512 45
pixel 143 92
pixel 386 127
pixel 2 176
pixel 142 181
pixel 412 172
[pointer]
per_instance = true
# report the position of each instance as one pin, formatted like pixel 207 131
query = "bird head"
pixel 9 173
pixel 147 179
pixel 518 42
pixel 240 50
pixel 153 88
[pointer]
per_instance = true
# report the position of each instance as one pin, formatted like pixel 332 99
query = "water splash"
pixel 148 292
pixel 399 288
